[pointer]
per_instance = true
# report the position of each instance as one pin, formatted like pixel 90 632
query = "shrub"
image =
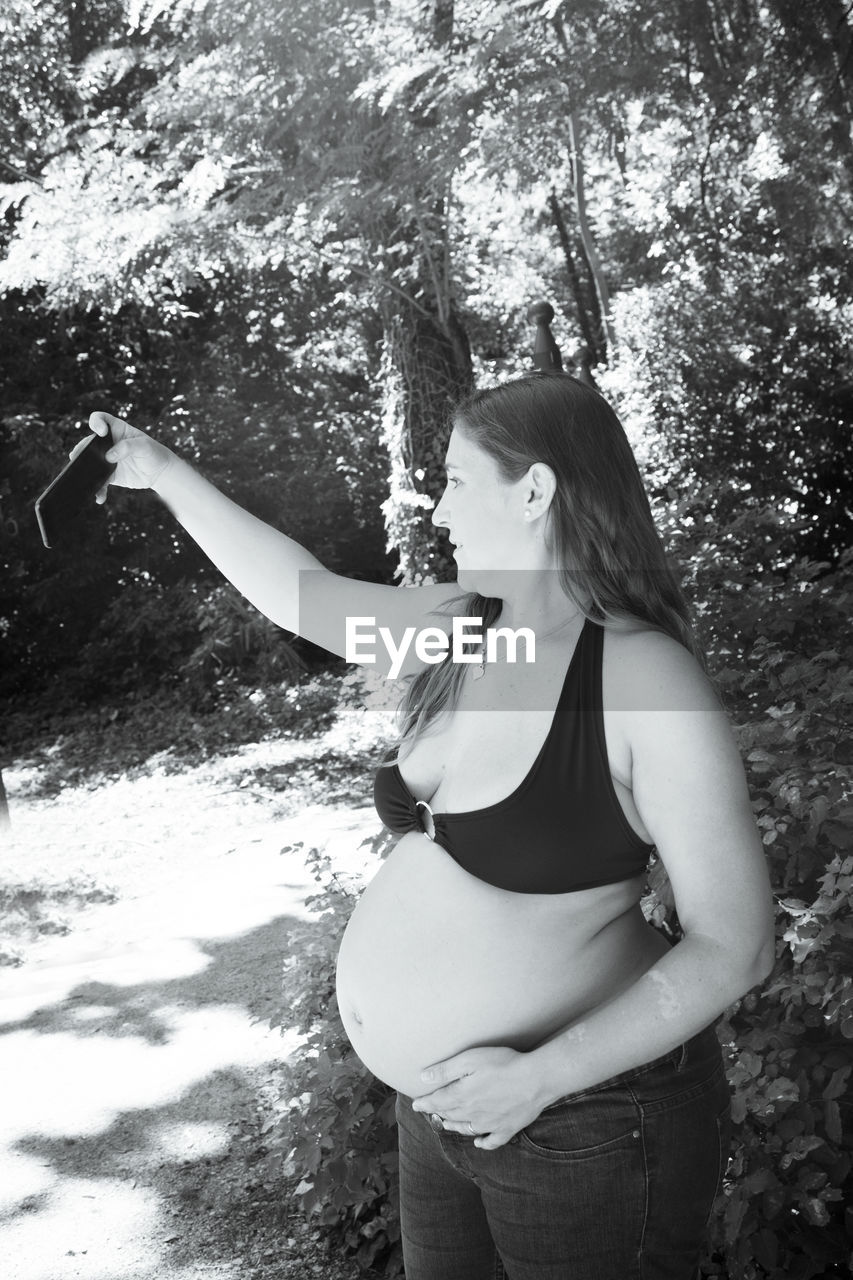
pixel 235 636
pixel 790 1047
pixel 338 1132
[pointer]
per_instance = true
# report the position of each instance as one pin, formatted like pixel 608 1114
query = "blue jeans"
pixel 615 1182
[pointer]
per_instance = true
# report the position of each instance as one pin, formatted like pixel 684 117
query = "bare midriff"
pixel 435 961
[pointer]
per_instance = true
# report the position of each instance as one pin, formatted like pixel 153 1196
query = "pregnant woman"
pixel 561 1100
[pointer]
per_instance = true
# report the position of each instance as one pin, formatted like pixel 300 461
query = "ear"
pixel 540 485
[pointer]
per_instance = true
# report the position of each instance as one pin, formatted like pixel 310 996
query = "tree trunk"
pixel 588 324
pixel 587 241
pixel 426 364
pixel 78 36
pixel 5 822
pixel 427 367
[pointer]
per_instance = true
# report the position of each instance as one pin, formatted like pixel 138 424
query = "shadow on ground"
pixel 133 1148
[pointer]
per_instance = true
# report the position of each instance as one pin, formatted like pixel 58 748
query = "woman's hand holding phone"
pixel 140 460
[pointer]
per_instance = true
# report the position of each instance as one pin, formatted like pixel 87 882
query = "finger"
pixel 101 495
pixel 491 1141
pixel 99 422
pixel 457 1126
pixel 444 1101
pixel 468 1129
pixel 451 1069
pixel 428 1102
pixel 121 450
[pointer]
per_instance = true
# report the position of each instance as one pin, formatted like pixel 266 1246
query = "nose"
pixel 439 508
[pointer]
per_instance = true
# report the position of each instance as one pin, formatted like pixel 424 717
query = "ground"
pixel 137 1066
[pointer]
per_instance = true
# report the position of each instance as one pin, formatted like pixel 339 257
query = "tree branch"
pixel 389 284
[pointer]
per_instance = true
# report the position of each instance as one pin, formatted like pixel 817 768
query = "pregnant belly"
pixel 434 961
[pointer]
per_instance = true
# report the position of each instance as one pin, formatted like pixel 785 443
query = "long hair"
pixel 612 561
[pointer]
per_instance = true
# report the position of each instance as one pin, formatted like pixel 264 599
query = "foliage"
pixel 67 744
pixel 790 1048
pixel 289 278
pixel 236 637
pixel 338 1132
pixel 272 432
pixel 776 628
pixel 748 381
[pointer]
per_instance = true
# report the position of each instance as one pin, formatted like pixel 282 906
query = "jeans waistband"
pixel 703 1045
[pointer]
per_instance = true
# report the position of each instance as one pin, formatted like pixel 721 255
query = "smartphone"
pixel 74 488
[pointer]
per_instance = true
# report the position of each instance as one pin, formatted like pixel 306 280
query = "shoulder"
pixel 666 715
pixel 647 670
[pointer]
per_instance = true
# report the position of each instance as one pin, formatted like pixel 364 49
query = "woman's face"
pixel 483 514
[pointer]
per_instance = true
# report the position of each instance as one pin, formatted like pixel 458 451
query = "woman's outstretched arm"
pixel 276 573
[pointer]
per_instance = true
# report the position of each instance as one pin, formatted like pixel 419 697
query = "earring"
pixel 527 515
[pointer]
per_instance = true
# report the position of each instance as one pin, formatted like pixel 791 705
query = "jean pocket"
pixel 592 1125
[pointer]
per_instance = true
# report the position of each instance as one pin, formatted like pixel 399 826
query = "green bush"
pixel 338 1132
pixel 737 364
pixel 790 1047
pixel 236 637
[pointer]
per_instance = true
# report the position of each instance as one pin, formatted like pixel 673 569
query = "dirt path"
pixel 134 1075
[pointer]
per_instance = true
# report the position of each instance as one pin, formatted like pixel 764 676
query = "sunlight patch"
pixel 150 961
pixel 104 1075
pixel 23 1179
pixel 91 1229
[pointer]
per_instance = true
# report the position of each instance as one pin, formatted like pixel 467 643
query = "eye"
pixel 453 480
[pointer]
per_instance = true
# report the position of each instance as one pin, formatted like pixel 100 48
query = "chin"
pixel 485 582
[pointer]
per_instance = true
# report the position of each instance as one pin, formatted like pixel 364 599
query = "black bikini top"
pixel 562 828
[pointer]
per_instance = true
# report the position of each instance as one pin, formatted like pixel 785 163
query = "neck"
pixel 536 600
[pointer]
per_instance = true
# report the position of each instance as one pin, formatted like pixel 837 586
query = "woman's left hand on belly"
pixel 490 1092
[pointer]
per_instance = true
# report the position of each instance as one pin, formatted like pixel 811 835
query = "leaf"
pixel 835 1088
pixel 782 1090
pixel 819 813
pixel 795 906
pixel 832 1119
pixel 816 1211
pixel 738 1108
pixel 799 1149
pixel 750 1062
